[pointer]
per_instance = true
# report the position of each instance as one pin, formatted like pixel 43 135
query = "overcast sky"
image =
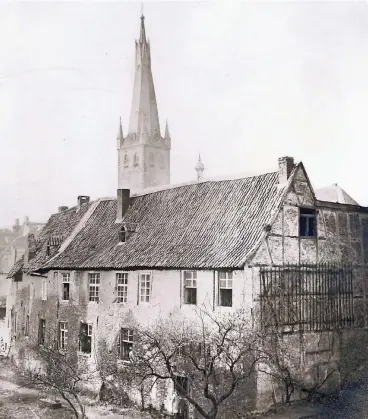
pixel 241 83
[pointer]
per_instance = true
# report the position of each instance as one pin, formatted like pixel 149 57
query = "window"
pixel 85 338
pixel 181 384
pixel 225 289
pixel 65 290
pixel 307 222
pixel 26 329
pixel 145 288
pixel 122 287
pixel 151 159
pixel 44 289
pixel 122 235
pixel 41 331
pixel 126 161
pixel 63 335
pixel 48 251
pixel 190 287
pixel 94 286
pixel 136 160
pixel 126 343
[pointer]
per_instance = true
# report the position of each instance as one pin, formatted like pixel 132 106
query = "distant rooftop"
pixel 336 194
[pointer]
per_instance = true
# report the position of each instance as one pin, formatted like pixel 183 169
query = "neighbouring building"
pixel 99 266
pixel 12 246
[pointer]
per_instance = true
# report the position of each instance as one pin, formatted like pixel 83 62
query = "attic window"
pixel 122 235
pixel 307 222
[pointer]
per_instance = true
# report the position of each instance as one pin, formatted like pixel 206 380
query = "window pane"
pixel 226 297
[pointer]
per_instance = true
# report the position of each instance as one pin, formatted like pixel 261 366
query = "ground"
pixel 18 402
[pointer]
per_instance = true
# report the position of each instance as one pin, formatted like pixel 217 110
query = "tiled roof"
pixel 203 225
pixel 336 194
pixel 59 225
pixel 17 267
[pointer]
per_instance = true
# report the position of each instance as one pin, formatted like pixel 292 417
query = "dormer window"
pixel 122 235
pixel 126 161
pixel 136 159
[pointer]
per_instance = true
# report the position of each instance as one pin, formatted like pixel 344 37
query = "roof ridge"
pixel 154 189
pixel 82 222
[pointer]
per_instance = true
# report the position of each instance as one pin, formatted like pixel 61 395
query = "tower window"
pixel 162 161
pixel 136 159
pixel 122 235
pixel 126 161
pixel 151 159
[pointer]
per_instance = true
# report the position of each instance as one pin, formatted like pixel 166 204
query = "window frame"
pixel 41 331
pixel 63 282
pixel 121 287
pixel 26 328
pixel 149 295
pixel 308 215
pixel 88 336
pixel 225 286
pixel 125 345
pixel 63 335
pixel 44 289
pixel 193 285
pixel 95 286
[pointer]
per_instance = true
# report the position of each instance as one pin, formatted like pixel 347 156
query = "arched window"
pixel 122 235
pixel 136 159
pixel 151 159
pixel 126 161
pixel 162 161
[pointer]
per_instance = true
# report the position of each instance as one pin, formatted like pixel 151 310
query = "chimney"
pixel 122 203
pixel 62 208
pixel 31 248
pixel 82 199
pixel 286 165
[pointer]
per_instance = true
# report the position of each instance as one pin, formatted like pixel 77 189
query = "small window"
pixel 136 160
pixel 63 335
pixel 85 338
pixel 41 331
pixel 151 159
pixel 94 286
pixel 190 287
pixel 48 251
pixel 225 289
pixel 44 289
pixel 65 291
pixel 145 288
pixel 126 343
pixel 307 222
pixel 122 287
pixel 126 161
pixel 26 330
pixel 181 385
pixel 122 235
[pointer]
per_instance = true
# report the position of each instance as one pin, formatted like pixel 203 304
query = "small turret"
pixel 199 167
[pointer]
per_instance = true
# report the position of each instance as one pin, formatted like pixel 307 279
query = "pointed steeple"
pixel 120 132
pixel 167 132
pixel 144 105
pixel 199 168
pixel 142 36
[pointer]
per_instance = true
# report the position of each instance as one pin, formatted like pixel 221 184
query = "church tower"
pixel 144 154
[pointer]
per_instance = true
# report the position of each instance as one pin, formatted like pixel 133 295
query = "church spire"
pixel 144 106
pixel 199 168
pixel 120 132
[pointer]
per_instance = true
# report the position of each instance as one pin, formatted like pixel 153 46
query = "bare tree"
pixel 205 358
pixel 55 370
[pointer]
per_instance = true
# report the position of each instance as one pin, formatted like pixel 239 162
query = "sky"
pixel 242 83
